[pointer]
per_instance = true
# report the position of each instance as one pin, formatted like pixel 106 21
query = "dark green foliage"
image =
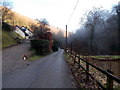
pixel 55 45
pixel 6 26
pixel 41 46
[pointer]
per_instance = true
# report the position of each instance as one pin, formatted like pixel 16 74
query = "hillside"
pixel 14 19
pixel 21 20
pixel 53 29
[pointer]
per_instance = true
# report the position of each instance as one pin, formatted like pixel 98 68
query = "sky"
pixel 58 12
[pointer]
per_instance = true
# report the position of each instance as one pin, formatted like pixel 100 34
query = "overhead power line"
pixel 72 12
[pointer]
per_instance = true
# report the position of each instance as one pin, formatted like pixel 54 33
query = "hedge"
pixel 41 46
pixel 6 26
pixel 55 45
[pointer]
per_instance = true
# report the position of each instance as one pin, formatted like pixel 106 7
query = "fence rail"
pixel 110 76
pixel 105 59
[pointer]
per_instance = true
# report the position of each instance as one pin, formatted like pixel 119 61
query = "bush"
pixel 6 26
pixel 41 47
pixel 55 45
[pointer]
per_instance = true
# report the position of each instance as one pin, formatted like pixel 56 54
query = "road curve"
pixel 49 72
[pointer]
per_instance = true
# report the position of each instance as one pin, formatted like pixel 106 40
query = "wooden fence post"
pixel 74 58
pixel 87 69
pixel 71 54
pixel 79 63
pixel 109 81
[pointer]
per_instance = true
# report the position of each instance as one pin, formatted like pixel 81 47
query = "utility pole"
pixel 71 46
pixel 66 37
pixel 71 41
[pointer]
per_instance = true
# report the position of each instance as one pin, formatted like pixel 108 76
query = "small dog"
pixel 24 57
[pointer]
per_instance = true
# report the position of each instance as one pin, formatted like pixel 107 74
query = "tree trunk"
pixel 91 40
pixel 118 12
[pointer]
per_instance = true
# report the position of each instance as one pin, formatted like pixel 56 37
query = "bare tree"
pixel 92 19
pixel 5 9
pixel 118 13
pixel 98 33
pixel 60 38
pixel 33 27
pixel 40 30
pixel 44 21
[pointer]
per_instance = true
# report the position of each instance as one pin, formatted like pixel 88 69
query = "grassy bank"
pixel 15 35
pixel 7 40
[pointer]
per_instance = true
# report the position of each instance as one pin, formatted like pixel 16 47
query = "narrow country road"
pixel 49 72
pixel 12 57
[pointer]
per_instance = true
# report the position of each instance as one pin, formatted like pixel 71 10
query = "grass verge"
pixel 80 75
pixel 34 57
pixel 107 56
pixel 7 40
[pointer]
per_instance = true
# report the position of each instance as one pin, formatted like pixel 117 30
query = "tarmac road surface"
pixel 48 72
pixel 12 57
